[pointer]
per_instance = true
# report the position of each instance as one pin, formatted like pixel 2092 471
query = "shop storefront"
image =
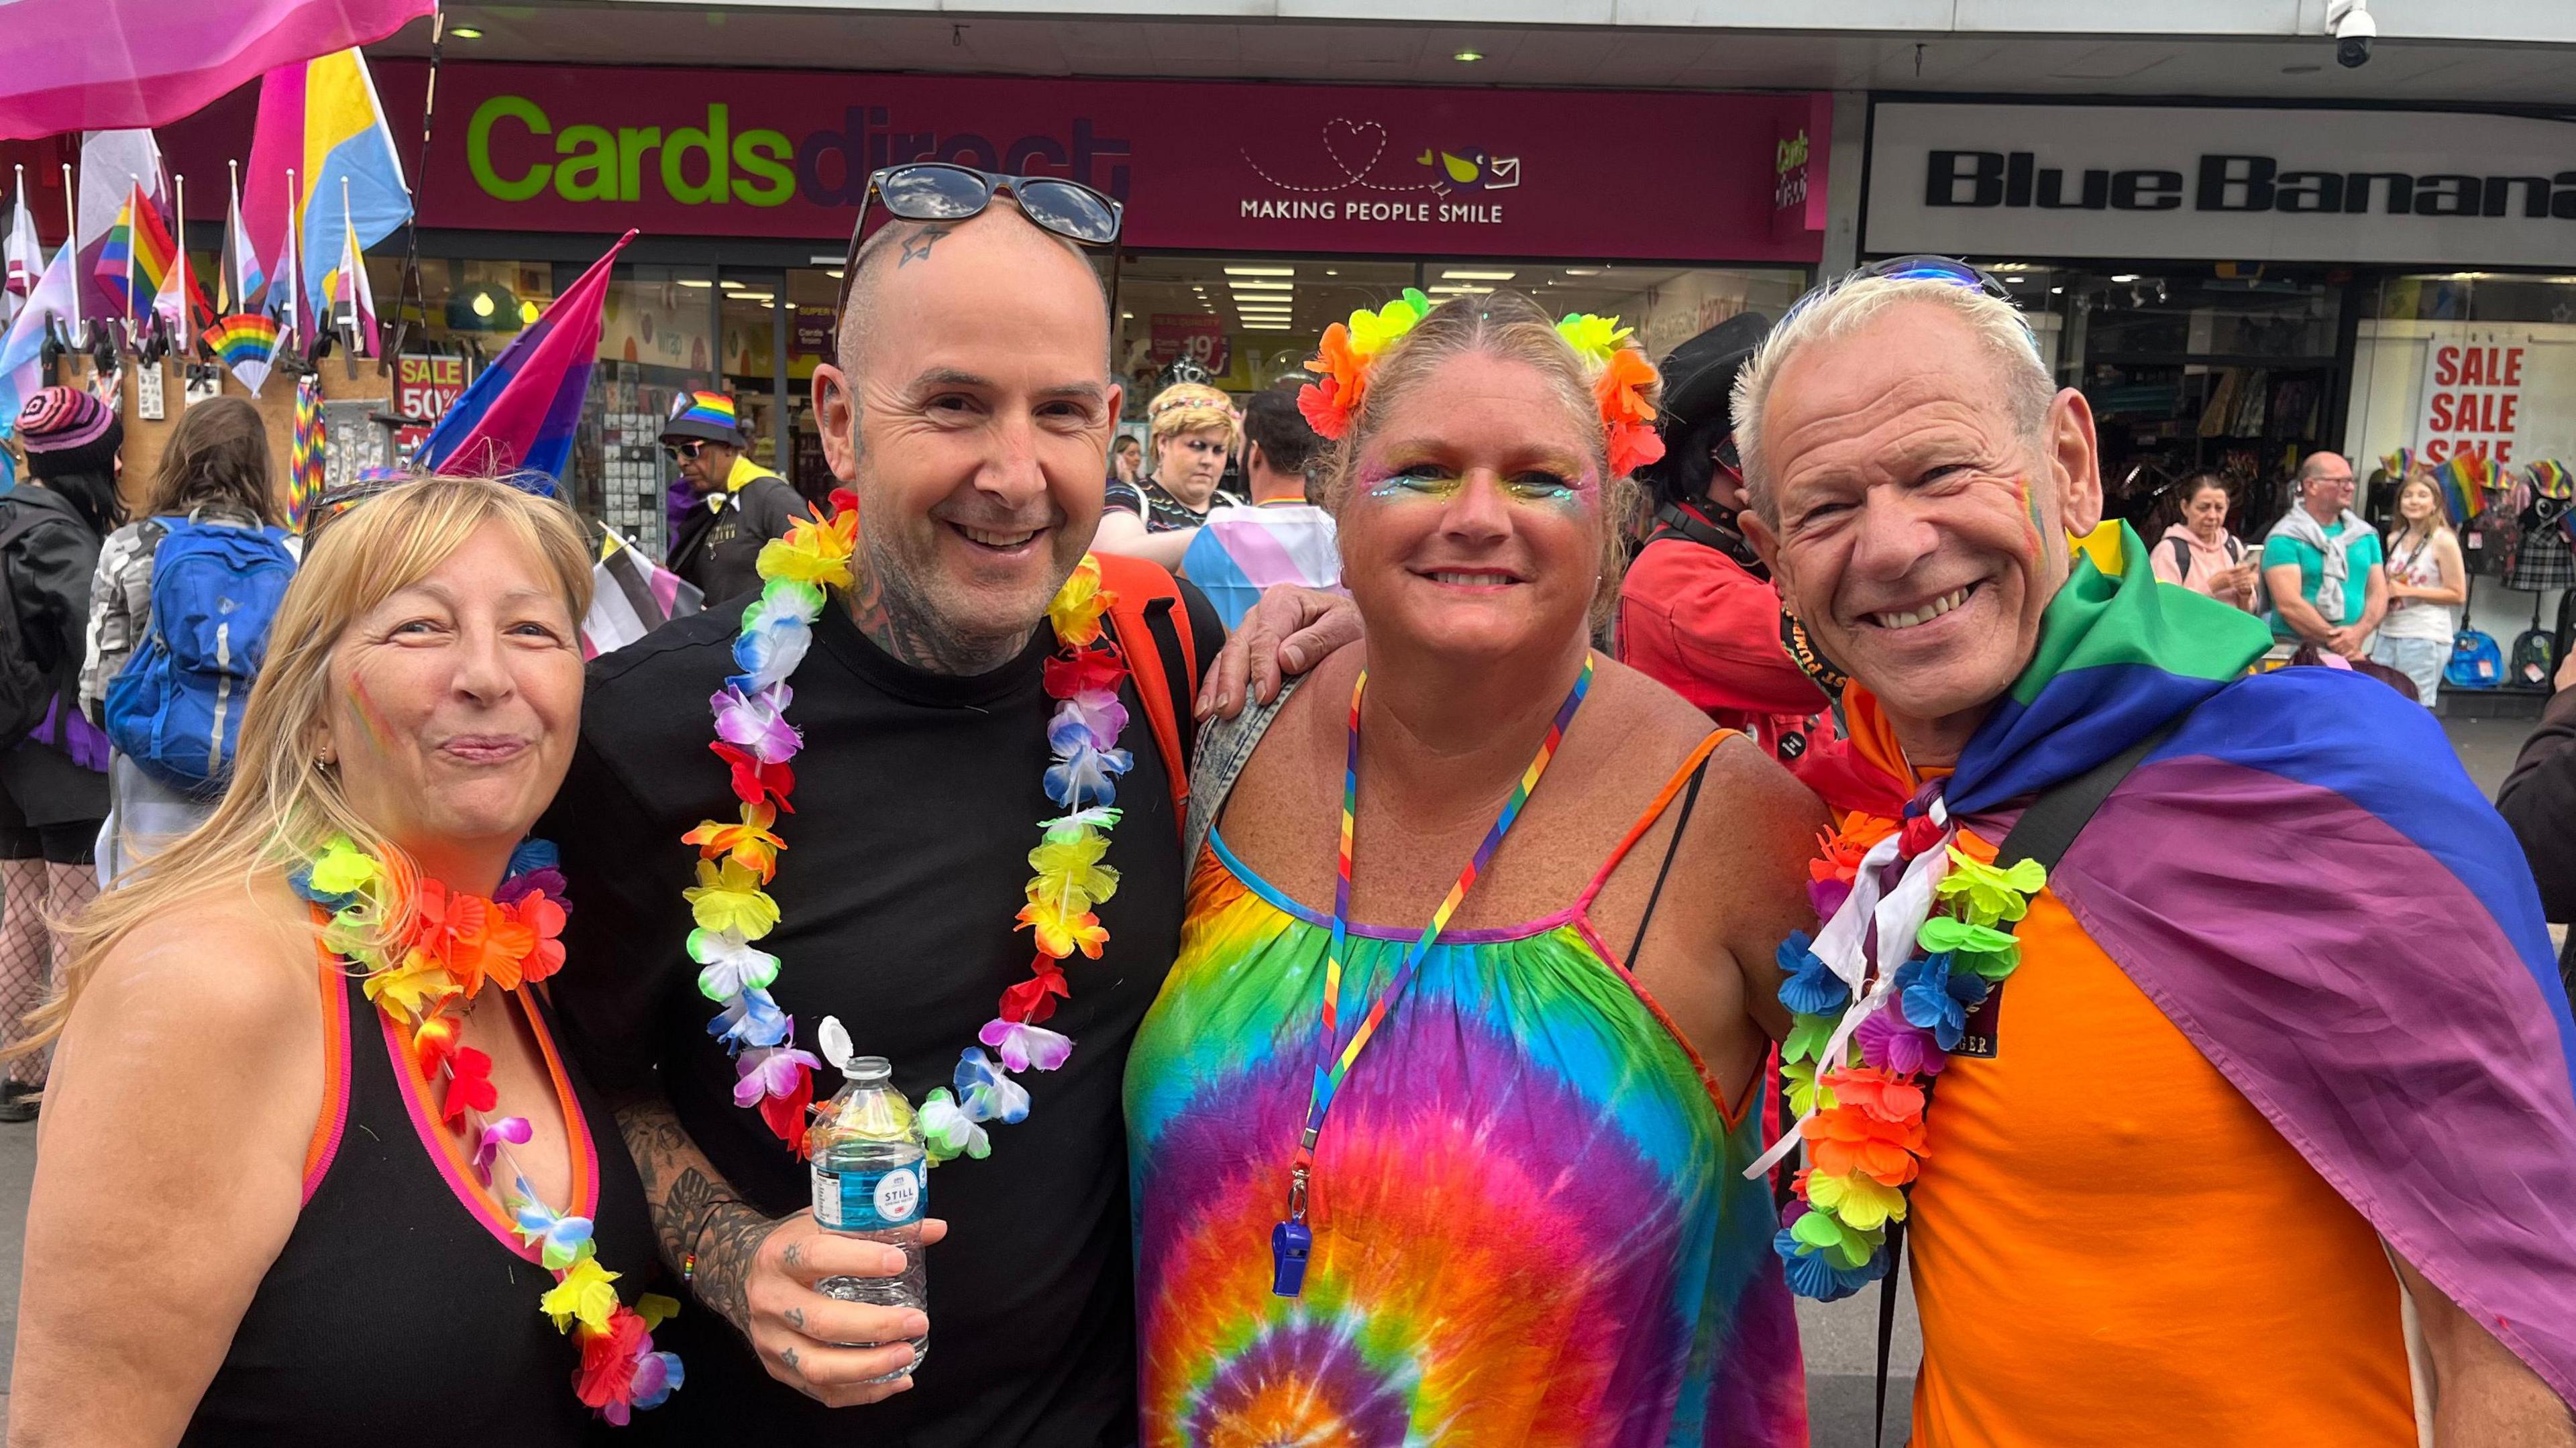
pixel 2234 287
pixel 1256 215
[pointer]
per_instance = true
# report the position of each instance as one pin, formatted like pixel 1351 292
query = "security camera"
pixel 2353 31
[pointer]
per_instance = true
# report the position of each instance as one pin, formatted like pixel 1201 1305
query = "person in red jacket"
pixel 1697 611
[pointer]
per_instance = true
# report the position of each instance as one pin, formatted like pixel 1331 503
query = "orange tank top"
pixel 2112 1246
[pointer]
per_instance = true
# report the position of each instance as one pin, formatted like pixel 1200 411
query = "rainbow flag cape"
pixel 304 470
pixel 521 412
pixel 2307 884
pixel 247 344
pixel 320 119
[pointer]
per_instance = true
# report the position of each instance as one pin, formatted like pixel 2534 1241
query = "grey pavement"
pixel 1841 1339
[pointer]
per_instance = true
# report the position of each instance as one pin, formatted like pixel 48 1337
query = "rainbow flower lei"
pixel 1878 998
pixel 731 906
pixel 450 946
pixel 1619 372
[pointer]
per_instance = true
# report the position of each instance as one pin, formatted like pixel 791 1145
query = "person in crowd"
pixel 2427 584
pixel 738 504
pixel 294 1187
pixel 53 774
pixel 1195 432
pixel 1280 537
pixel 1697 612
pixel 1573 1020
pixel 2539 800
pixel 2197 552
pixel 2322 564
pixel 1126 462
pixel 2195 1100
pixel 972 708
pixel 214 473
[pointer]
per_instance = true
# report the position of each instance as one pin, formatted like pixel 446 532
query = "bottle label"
pixel 869 1200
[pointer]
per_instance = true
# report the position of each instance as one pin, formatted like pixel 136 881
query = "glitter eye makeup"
pixel 1536 486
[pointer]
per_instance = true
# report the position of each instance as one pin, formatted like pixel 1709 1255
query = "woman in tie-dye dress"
pixel 1492 1193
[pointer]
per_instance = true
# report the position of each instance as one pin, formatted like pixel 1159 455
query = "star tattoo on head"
pixel 917 248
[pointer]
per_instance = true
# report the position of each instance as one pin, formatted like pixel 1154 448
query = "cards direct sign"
pixel 787 155
pixel 2234 183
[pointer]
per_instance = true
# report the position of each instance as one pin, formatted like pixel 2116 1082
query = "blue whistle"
pixel 1289 1244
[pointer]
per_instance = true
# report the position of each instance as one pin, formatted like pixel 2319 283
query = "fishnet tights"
pixel 35 890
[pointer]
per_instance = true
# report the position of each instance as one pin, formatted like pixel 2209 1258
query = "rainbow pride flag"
pixel 2464 481
pixel 2306 883
pixel 138 255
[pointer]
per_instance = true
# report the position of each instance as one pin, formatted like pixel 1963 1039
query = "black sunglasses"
pixel 945 191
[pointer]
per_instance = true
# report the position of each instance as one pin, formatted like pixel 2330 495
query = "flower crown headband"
pixel 1619 372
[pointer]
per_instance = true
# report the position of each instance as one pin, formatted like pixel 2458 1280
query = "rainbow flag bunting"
pixel 304 471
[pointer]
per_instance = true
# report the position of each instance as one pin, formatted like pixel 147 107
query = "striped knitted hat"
pixel 708 415
pixel 56 419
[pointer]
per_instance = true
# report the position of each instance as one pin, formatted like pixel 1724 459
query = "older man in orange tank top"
pixel 2268 1139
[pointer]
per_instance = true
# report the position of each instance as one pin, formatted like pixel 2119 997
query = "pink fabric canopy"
pixel 104 64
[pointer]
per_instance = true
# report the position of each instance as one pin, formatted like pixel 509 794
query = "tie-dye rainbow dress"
pixel 1530 1220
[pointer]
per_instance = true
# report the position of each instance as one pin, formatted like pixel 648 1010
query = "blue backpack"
pixel 175 708
pixel 2476 662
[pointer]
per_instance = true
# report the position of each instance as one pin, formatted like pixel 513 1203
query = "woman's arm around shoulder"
pixel 183 1094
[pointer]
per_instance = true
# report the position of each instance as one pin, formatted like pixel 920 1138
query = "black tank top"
pixel 396 1314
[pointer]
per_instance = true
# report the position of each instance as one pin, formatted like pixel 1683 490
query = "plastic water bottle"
pixel 870 1181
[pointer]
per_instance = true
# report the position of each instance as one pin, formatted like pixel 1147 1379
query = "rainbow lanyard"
pixel 1290 1241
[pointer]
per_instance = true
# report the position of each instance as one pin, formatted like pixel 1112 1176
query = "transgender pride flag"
pixel 520 414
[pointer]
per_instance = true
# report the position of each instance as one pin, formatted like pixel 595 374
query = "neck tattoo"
pixel 913 633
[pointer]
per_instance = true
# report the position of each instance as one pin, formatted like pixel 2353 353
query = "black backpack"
pixel 27 688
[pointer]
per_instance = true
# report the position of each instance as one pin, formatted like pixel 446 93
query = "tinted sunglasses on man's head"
pixel 1919 269
pixel 945 191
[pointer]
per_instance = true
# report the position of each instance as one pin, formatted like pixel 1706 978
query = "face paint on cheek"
pixel 2030 510
pixel 380 730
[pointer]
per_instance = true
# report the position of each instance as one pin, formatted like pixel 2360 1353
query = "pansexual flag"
pixel 320 119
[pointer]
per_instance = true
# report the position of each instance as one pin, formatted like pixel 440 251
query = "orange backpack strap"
pixel 1154 636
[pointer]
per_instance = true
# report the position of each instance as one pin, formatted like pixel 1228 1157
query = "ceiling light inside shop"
pixel 701 283
pixel 834 273
pixel 730 286
pixel 1455 275
pixel 1468 57
pixel 755 296
pixel 1458 291
pixel 528 314
pixel 2126 277
pixel 1265 326
pixel 1328 271
pixel 1584 271
pixel 466 32
pixel 1261 271
pixel 1258 286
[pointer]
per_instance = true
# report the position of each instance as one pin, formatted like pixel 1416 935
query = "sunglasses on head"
pixel 1921 269
pixel 945 191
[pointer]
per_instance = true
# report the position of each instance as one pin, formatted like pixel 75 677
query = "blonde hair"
pixel 1853 302
pixel 284 803
pixel 1188 407
pixel 1508 327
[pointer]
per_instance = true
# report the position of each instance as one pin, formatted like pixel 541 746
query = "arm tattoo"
pixel 917 246
pixel 694 1209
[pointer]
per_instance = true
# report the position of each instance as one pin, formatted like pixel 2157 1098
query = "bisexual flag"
pixel 520 414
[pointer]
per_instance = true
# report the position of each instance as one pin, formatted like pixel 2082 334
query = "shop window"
pixel 656 339
pixel 2222 368
pixel 2478 365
